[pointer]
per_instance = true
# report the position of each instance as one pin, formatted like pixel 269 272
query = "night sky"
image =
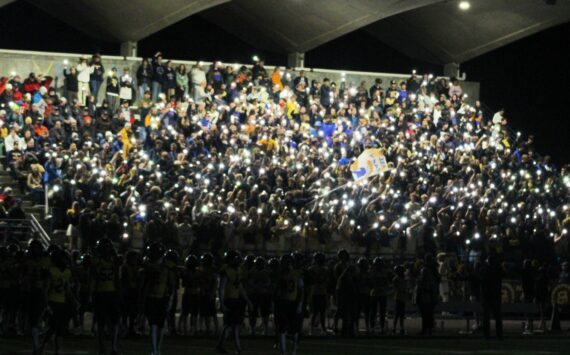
pixel 529 78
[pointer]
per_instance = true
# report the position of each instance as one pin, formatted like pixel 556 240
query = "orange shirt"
pixel 40 130
pixel 276 80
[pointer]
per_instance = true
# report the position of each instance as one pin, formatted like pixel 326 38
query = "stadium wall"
pixel 50 63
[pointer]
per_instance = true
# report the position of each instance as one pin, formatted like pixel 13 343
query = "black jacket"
pixel 491 282
pixel 144 75
pixel 70 81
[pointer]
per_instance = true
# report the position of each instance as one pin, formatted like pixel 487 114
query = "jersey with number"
pixel 59 281
pixel 233 276
pixel 104 275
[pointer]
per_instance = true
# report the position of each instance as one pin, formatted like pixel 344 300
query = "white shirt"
pixel 198 76
pixel 11 139
pixel 497 118
pixel 84 72
pixel 436 116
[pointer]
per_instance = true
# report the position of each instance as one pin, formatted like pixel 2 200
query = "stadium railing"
pixel 14 231
pixel 51 63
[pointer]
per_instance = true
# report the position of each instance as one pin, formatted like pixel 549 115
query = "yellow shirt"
pixel 59 281
pixel 233 281
pixel 292 109
pixel 125 138
pixel 268 143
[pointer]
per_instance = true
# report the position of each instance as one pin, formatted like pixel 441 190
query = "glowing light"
pixel 464 5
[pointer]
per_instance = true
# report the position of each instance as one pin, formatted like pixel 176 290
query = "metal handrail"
pixel 40 231
pixel 12 230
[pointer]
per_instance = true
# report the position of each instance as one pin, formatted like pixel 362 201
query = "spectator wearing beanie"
pixel 39 127
pixel 16 82
pixel 87 128
pixel 31 84
pixel 28 126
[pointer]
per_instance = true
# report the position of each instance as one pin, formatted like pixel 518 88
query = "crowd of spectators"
pixel 219 157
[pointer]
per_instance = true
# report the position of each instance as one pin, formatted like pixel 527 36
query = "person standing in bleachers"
pixel 96 77
pixel 84 72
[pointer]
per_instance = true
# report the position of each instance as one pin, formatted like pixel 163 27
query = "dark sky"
pixel 529 78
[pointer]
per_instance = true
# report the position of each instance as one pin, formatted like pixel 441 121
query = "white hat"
pixel 8 86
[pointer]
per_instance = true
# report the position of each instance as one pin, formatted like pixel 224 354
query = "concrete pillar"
pixel 129 49
pixel 296 60
pixel 451 70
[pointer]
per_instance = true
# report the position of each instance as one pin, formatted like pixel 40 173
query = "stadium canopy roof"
pixel 435 31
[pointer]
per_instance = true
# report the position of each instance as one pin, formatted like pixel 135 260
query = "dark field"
pixel 559 344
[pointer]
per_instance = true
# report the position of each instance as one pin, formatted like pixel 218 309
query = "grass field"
pixel 319 346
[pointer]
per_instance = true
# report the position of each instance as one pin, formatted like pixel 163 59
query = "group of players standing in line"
pixel 58 288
